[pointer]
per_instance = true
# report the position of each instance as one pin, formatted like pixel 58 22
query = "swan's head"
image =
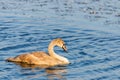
pixel 61 43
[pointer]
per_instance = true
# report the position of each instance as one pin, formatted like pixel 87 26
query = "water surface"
pixel 91 29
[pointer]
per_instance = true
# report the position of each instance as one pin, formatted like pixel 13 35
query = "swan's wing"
pixel 22 58
pixel 40 58
pixel 40 55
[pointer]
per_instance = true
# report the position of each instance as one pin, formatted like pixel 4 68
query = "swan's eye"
pixel 63 44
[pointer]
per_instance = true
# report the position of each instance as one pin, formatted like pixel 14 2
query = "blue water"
pixel 91 29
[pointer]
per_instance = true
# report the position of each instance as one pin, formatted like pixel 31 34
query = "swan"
pixel 42 58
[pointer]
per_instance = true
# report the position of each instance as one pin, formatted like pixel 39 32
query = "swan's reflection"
pixel 51 73
pixel 57 72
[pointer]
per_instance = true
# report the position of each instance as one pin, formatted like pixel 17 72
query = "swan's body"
pixel 42 58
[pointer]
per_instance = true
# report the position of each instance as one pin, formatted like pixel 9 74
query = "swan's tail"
pixel 10 59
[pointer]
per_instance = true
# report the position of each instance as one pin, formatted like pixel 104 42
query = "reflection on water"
pixel 51 73
pixel 57 73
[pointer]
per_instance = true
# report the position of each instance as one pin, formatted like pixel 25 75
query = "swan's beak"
pixel 64 48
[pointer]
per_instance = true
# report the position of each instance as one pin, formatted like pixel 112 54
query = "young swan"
pixel 42 58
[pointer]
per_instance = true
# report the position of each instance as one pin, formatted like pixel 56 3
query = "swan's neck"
pixel 53 54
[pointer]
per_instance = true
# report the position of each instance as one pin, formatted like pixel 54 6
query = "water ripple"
pixel 15 47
